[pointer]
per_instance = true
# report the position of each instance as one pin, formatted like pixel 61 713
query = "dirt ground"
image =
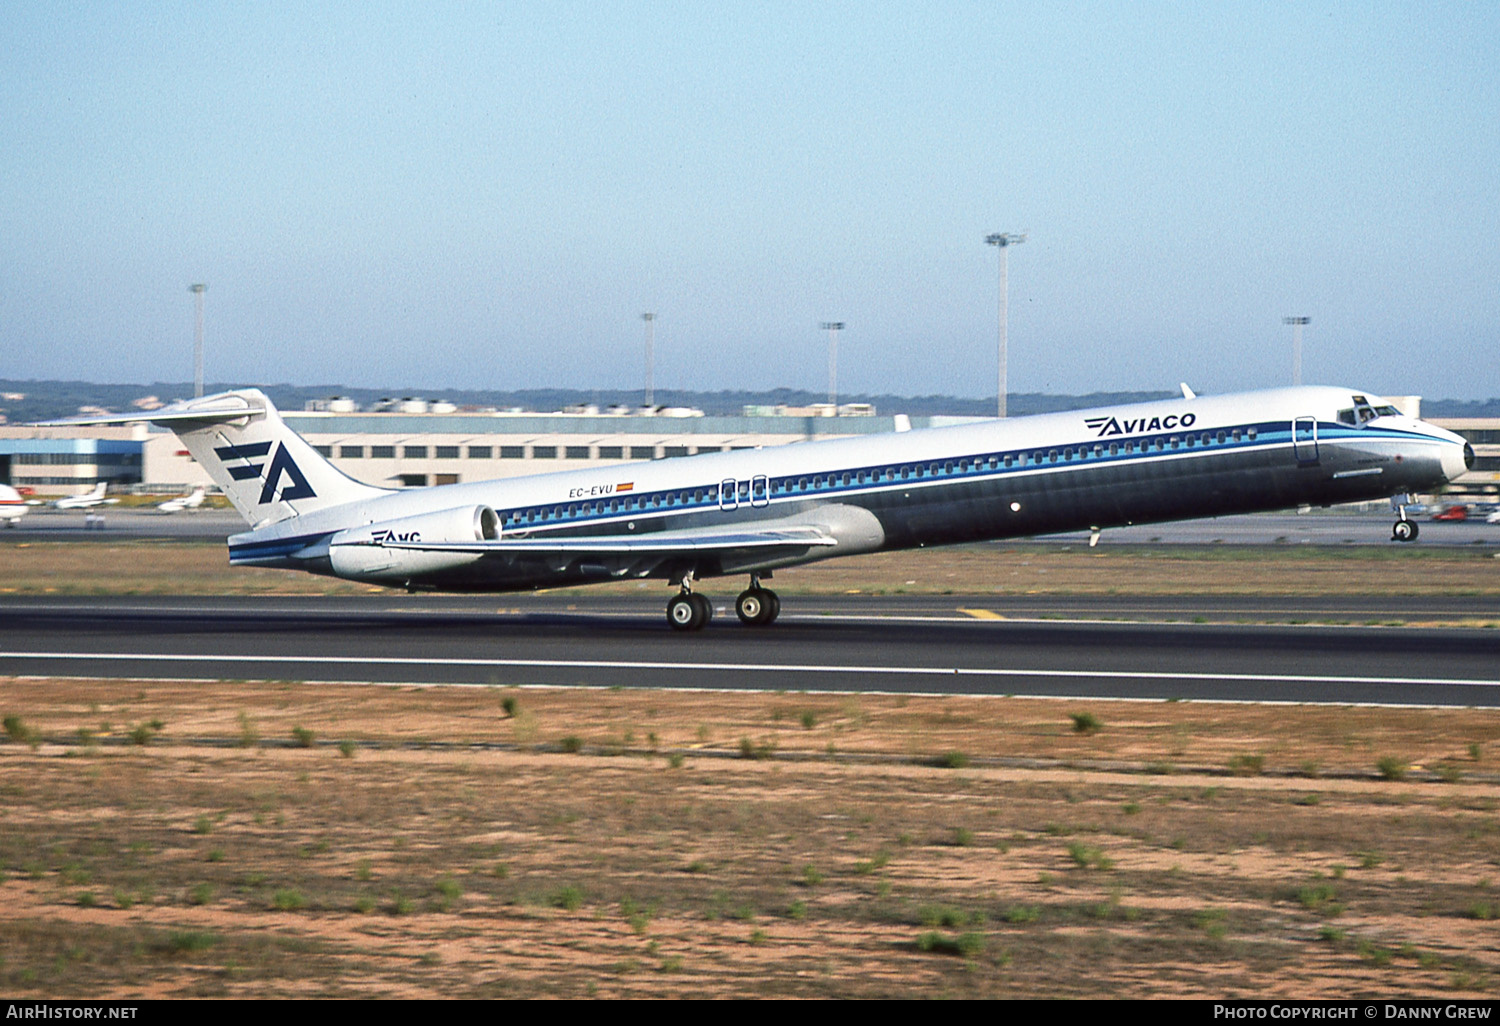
pixel 274 839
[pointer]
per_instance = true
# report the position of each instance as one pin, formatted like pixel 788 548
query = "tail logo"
pixel 281 463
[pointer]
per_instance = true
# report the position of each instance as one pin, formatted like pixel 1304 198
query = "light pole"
pixel 197 291
pixel 1296 323
pixel 833 328
pixel 1003 242
pixel 650 319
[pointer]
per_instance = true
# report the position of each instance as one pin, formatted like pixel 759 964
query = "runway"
pixel 946 645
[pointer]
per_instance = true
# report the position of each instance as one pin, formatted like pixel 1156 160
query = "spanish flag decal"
pixel 628 486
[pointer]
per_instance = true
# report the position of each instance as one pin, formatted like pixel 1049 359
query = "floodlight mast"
pixel 833 328
pixel 1296 323
pixel 650 319
pixel 197 291
pixel 1003 242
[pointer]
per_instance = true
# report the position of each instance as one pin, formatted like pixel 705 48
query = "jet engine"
pixel 378 552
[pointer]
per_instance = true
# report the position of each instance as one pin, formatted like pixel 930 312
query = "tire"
pixel 704 608
pixel 752 608
pixel 773 606
pixel 683 614
pixel 1404 531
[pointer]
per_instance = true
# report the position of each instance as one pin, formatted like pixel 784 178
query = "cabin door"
pixel 1305 440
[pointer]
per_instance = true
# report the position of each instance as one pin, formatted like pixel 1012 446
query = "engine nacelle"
pixel 366 553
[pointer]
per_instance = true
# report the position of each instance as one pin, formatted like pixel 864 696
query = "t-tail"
pixel 265 468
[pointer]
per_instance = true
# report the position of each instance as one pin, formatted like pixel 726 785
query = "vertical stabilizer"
pixel 268 471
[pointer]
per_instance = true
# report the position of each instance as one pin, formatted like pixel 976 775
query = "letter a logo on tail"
pixel 282 463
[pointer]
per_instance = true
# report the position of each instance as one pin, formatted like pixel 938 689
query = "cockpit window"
pixel 1347 416
pixel 1387 411
pixel 1363 411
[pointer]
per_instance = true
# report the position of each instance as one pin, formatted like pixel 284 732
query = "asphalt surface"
pixel 1319 527
pixel 940 645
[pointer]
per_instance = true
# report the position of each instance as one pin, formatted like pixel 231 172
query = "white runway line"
pixel 602 664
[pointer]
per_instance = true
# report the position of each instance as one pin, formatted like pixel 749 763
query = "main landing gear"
pixel 690 611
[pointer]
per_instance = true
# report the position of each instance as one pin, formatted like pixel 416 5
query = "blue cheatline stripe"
pixel 274 547
pixel 984 466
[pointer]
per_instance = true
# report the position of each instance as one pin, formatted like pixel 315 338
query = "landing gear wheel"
pixel 688 612
pixel 757 606
pixel 751 607
pixel 1404 531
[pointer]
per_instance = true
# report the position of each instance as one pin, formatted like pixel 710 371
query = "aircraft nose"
pixel 1457 460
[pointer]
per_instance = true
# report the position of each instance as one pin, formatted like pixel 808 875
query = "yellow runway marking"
pixel 982 614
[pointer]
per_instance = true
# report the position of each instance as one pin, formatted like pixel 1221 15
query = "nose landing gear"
pixel 1403 530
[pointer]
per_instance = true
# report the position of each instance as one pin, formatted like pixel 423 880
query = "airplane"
pixel 12 506
pixel 192 500
pixel 755 511
pixel 93 498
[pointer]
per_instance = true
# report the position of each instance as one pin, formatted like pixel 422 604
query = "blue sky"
pixel 489 195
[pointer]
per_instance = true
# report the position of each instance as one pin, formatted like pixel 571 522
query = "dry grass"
pixel 153 567
pixel 454 850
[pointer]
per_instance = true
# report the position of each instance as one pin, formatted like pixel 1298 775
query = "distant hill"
pixel 47 399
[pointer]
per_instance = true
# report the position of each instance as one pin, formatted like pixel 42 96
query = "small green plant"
pixel 249 736
pixel 86 899
pixel 963 837
pixel 509 705
pixel 1212 922
pixel 572 744
pixel 953 760
pixel 1320 898
pixel 811 877
pixel 364 904
pixel 753 750
pixel 140 733
pixel 1247 765
pixel 17 730
pixel 966 945
pixel 1022 914
pixel 202 825
pixel 201 894
pixel 797 910
pixel 1087 856
pixel 809 719
pixel 1448 772
pixel 189 941
pixel 347 749
pixel 1085 723
pixel 302 737
pixel 288 900
pixel 569 898
pixel 1392 767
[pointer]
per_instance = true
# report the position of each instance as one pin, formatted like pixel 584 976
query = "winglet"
pixel 1187 393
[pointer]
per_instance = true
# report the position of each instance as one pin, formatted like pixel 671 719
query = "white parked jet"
pixel 192 500
pixel 758 510
pixel 12 506
pixel 88 501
